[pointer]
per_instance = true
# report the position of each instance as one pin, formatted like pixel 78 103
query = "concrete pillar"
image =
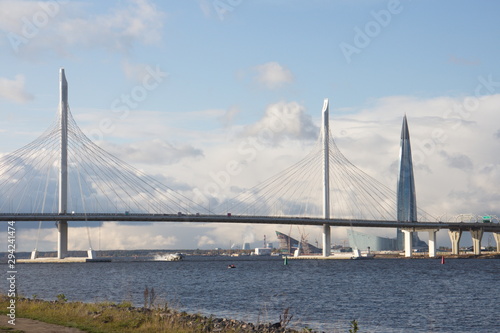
pixel 62 241
pixel 432 243
pixel 477 235
pixel 62 226
pixel 497 238
pixel 408 242
pixel 91 254
pixel 326 180
pixel 455 236
pixel 34 254
pixel 326 240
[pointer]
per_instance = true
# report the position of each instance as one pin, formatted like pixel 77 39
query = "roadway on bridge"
pixel 198 218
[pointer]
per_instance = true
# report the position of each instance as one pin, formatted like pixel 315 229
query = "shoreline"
pixel 123 318
pixel 147 255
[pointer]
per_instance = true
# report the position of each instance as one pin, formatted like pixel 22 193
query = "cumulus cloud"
pixel 283 121
pixel 204 240
pixel 13 90
pixel 272 75
pixel 155 151
pixel 114 235
pixel 459 161
pixel 33 27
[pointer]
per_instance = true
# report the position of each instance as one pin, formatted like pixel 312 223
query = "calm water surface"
pixel 386 295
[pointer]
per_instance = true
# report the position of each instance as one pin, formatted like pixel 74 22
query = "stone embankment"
pixel 112 317
pixel 201 323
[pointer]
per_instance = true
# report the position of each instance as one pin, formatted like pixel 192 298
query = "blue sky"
pixel 224 65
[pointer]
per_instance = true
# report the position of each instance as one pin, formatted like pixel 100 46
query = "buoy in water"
pixel 285 261
pixel 442 259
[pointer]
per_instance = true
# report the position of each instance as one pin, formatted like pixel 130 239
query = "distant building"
pixel 406 197
pixel 289 245
pixel 363 241
pixel 246 246
pixel 263 251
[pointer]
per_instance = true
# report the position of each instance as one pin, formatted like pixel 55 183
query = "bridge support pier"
pixel 62 241
pixel 408 242
pixel 497 239
pixel 327 240
pixel 326 180
pixel 34 254
pixel 477 235
pixel 455 236
pixel 91 254
pixel 432 243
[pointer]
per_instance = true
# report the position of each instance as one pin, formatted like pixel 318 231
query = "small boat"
pixel 231 266
pixel 170 257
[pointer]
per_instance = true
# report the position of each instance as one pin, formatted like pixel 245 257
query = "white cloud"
pixel 110 236
pixel 204 240
pixel 156 151
pixel 140 21
pixel 121 236
pixel 283 121
pixel 13 90
pixel 459 161
pixel 272 75
pixel 34 27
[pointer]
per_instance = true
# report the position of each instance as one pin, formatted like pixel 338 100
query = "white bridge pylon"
pixel 327 238
pixel 63 172
pixel 62 226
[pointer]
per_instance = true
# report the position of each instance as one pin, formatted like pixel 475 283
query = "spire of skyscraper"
pixel 406 197
pixel 407 203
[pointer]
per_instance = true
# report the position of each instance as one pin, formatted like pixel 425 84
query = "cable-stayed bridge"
pixel 63 176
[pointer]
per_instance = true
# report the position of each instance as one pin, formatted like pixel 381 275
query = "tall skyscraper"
pixel 407 201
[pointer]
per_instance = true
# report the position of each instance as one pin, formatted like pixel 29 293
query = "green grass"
pixel 100 317
pixel 107 317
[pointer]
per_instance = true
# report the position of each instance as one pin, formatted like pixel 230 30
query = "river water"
pixel 383 295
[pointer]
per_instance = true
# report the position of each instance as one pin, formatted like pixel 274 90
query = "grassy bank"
pixel 123 318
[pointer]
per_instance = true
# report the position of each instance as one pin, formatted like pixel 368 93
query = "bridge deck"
pixel 197 218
